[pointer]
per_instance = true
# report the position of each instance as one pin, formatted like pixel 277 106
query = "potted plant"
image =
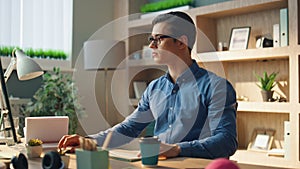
pixel 34 148
pixel 162 5
pixel 267 82
pixel 56 97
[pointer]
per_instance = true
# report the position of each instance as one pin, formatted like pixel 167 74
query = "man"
pixel 194 109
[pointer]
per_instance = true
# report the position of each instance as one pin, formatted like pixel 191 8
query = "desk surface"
pixel 172 163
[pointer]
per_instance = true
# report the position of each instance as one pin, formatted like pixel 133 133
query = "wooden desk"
pixel 172 163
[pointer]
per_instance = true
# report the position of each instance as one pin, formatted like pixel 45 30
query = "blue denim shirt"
pixel 198 113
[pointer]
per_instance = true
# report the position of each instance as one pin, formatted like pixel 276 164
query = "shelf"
pixel 140 23
pixel 273 107
pixel 260 158
pixel 45 64
pixel 228 8
pixel 231 8
pixel 244 55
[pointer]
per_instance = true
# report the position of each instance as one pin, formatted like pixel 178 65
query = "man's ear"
pixel 183 40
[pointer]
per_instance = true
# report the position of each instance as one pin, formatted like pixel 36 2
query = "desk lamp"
pixel 26 69
pixel 104 55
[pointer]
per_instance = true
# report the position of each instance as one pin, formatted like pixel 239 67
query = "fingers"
pixel 169 150
pixel 61 141
pixel 72 150
pixel 164 148
pixel 139 154
pixel 69 140
pixel 88 144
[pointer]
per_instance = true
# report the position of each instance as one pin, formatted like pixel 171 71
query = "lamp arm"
pixel 5 101
pixel 2 105
pixel 10 68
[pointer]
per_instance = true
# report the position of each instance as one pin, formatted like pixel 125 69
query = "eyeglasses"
pixel 157 40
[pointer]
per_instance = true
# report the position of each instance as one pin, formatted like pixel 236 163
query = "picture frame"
pixel 239 38
pixel 261 140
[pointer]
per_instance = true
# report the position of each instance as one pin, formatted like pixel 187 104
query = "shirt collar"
pixel 187 74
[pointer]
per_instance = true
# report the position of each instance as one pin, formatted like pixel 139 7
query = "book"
pixel 139 88
pixel 127 152
pixel 276 35
pixel 287 140
pixel 124 155
pixel 284 27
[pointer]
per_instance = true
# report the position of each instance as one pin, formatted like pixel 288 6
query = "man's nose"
pixel 152 45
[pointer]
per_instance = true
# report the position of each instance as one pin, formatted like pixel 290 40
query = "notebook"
pixel 49 129
pixel 127 152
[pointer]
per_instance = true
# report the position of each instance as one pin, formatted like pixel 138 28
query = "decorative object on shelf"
pixel 220 46
pixel 242 98
pixel 267 82
pixel 26 69
pixel 263 42
pixel 239 38
pixel 34 148
pixel 57 97
pixel 225 46
pixel 261 140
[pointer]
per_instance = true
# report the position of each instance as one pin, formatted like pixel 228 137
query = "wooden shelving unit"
pixel 214 23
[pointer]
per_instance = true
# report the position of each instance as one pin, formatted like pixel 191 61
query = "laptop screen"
pixel 49 129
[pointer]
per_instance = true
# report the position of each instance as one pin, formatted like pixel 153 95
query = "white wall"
pixel 92 16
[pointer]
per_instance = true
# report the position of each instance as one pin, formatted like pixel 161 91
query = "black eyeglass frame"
pixel 157 39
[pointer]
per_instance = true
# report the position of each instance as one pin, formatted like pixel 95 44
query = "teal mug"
pixel 149 147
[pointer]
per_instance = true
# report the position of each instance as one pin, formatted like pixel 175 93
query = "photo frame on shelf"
pixel 239 38
pixel 261 140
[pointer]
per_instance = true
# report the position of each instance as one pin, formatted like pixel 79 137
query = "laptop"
pixel 49 129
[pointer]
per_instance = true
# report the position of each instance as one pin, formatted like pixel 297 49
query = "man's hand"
pixel 69 141
pixel 169 150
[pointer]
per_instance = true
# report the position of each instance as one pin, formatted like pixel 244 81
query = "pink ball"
pixel 221 163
